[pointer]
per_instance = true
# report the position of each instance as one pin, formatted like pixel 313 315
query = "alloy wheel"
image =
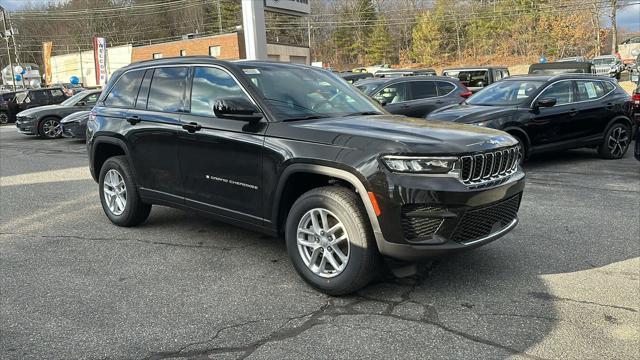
pixel 115 192
pixel 618 141
pixel 4 118
pixel 52 128
pixel 323 243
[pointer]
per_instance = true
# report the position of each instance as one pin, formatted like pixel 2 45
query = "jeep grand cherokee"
pixel 294 150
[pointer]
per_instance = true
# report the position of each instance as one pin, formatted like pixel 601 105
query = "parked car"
pixel 557 68
pixel 475 78
pixel 44 121
pixel 393 73
pixel 635 98
pixel 8 107
pixel 352 77
pixel 258 145
pixel 573 59
pixel 635 71
pixel 38 97
pixel 75 125
pixel 416 95
pixel 607 65
pixel 548 113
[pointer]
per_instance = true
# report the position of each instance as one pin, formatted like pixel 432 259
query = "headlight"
pixel 482 123
pixel 420 165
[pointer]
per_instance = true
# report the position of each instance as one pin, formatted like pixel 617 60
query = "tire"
pixel 340 205
pixel 616 141
pixel 4 117
pixel 50 128
pixel 134 211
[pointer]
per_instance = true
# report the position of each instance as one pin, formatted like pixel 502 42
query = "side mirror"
pixel 81 103
pixel 236 108
pixel 546 102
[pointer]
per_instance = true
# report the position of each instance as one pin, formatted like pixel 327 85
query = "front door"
pixel 220 159
pixel 553 124
pixel 395 97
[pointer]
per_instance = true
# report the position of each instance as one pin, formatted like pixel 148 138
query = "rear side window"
pixel 423 90
pixel 123 94
pixel 209 85
pixel 38 96
pixel 589 89
pixel 57 93
pixel 167 89
pixel 445 88
pixel 608 86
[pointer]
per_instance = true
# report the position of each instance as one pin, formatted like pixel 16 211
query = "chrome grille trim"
pixel 489 167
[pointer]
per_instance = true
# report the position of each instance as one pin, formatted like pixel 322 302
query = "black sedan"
pixel 414 96
pixel 549 113
pixel 44 121
pixel 75 125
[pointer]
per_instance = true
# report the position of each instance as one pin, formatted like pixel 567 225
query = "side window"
pixel 423 90
pixel 167 89
pixel 91 99
pixel 38 96
pixel 209 85
pixel 497 75
pixel 393 93
pixel 589 89
pixel 562 91
pixel 123 94
pixel 608 86
pixel 445 88
pixel 57 93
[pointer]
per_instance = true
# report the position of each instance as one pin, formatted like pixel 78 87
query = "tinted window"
pixel 91 99
pixel 125 91
pixel 589 89
pixel 209 85
pixel 167 89
pixel 608 86
pixel 393 93
pixel 423 90
pixel 561 91
pixel 38 96
pixel 367 88
pixel 470 78
pixel 56 93
pixel 445 87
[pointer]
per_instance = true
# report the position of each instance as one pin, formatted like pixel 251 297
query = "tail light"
pixel 465 92
pixel 635 99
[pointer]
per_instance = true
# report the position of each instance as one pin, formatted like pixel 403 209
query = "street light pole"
pixel 6 38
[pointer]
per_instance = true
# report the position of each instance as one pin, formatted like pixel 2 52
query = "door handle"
pixel 439 101
pixel 192 127
pixel 133 119
pixel 573 112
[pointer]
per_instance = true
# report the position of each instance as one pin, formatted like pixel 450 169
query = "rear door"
pixel 554 124
pixel 152 127
pixel 220 159
pixel 423 98
pixel 596 110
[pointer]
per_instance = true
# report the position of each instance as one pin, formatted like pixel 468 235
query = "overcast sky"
pixel 628 17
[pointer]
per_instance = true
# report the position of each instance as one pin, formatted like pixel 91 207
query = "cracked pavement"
pixel 564 284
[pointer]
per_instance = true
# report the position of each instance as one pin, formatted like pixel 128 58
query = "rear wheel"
pixel 616 142
pixel 4 117
pixel 50 128
pixel 330 242
pixel 119 194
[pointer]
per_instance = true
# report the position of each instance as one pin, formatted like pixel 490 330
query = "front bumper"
pixel 27 126
pixel 430 216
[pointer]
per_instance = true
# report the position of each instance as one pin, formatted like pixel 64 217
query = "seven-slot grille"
pixel 495 165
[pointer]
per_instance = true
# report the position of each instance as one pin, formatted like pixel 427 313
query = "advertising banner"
pixel 100 56
pixel 46 60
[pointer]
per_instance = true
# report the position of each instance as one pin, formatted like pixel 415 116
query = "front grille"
pixel 419 227
pixel 489 167
pixel 480 222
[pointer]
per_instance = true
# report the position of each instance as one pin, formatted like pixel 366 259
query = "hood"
pixel 37 110
pixel 465 113
pixel 402 134
pixel 57 110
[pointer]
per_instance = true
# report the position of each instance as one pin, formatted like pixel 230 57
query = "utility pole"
pixel 219 18
pixel 614 27
pixel 6 38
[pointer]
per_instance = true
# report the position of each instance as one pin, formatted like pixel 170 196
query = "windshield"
pixel 510 92
pixel 470 78
pixel 367 88
pixel 74 99
pixel 302 92
pixel 609 61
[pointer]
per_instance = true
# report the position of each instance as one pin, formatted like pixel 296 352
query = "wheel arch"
pixel 102 149
pixel 521 134
pixel 285 197
pixel 618 119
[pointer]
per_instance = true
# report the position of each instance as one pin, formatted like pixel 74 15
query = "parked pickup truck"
pixel 476 78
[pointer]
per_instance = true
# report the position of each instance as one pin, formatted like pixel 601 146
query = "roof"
pixel 405 78
pixel 476 68
pixel 556 77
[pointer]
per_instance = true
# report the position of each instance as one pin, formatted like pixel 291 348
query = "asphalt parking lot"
pixel 564 284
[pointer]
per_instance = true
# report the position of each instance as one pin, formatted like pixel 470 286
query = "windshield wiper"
pixel 308 117
pixel 364 113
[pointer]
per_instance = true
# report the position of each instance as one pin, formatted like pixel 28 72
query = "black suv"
pixel 547 113
pixel 414 96
pixel 294 150
pixel 37 97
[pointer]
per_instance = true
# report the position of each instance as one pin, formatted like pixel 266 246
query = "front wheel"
pixel 616 142
pixel 119 194
pixel 50 128
pixel 4 117
pixel 330 242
